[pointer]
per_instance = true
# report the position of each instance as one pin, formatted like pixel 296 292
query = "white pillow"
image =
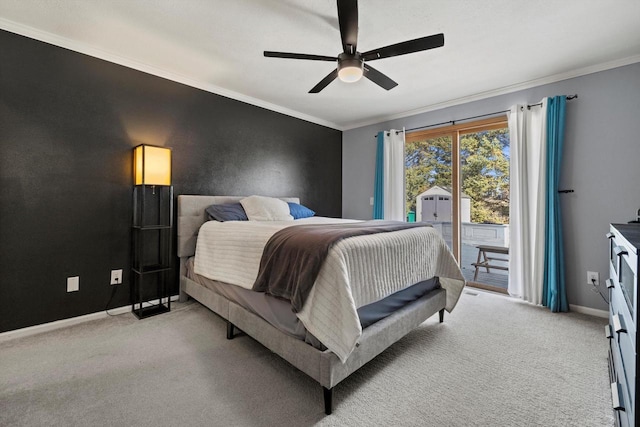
pixel 260 208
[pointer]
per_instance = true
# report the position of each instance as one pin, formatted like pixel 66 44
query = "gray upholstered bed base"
pixel 322 366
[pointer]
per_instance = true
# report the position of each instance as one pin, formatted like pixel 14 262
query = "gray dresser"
pixel 624 241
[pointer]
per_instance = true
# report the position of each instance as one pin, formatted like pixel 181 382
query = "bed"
pixel 326 339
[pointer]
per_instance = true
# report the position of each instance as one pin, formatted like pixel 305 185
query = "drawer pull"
pixel 615 397
pixel 610 235
pixel 607 331
pixel 610 283
pixel 618 325
pixel 620 250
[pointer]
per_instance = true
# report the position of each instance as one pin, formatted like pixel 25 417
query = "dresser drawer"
pixel 617 362
pixel 620 405
pixel 626 370
pixel 618 307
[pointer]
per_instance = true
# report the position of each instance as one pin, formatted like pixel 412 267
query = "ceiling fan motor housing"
pixel 350 67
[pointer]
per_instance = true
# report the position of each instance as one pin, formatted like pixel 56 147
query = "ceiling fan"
pixel 352 65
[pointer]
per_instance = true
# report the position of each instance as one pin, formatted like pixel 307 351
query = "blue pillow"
pixel 298 211
pixel 227 212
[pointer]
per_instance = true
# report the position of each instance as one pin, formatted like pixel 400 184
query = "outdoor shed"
pixel 435 204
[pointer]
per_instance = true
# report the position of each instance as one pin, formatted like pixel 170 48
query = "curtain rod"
pixel 453 122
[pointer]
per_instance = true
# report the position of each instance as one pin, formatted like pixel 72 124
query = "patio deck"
pixel 492 279
pixel 474 235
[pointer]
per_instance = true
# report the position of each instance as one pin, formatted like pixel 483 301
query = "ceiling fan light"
pixel 350 69
pixel 350 74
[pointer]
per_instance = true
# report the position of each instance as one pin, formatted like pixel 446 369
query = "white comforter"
pixel 357 271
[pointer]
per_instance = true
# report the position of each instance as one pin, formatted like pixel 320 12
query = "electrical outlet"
pixel 116 277
pixel 593 278
pixel 73 284
pixel 371 201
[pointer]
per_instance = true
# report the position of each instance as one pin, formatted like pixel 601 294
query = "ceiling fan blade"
pixel 288 55
pixel 378 78
pixel 348 19
pixel 410 46
pixel 325 82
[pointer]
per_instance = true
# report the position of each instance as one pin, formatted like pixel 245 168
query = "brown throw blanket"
pixel 293 256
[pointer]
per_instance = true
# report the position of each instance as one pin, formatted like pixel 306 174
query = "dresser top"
pixel 631 232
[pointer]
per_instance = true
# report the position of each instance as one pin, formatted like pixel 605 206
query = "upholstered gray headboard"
pixel 191 216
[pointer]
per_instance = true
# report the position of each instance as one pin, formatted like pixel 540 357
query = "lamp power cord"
pixel 595 288
pixel 113 293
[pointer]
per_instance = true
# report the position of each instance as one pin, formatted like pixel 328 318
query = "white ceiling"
pixel 491 47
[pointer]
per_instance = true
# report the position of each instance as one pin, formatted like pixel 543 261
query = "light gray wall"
pixel 601 162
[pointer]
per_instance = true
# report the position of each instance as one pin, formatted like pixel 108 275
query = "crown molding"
pixel 501 91
pixel 80 47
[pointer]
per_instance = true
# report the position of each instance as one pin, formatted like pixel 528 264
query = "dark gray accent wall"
pixel 68 123
pixel 600 162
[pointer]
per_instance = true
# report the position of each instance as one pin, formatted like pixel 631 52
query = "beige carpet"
pixel 494 362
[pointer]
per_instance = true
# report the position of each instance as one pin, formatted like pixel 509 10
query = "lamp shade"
pixel 151 165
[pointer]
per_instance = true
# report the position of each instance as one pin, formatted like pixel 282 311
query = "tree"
pixel 427 163
pixel 484 167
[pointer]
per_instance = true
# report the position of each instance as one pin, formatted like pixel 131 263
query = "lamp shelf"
pixel 152 310
pixel 149 269
pixel 151 231
pixel 151 227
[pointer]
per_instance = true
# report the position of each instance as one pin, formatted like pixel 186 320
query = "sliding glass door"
pixel 484 158
pixel 457 179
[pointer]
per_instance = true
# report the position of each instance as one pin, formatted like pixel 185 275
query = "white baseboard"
pixel 64 323
pixel 590 311
pixel 577 308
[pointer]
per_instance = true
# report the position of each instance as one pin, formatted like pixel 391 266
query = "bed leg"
pixel 441 314
pixel 229 330
pixel 183 296
pixel 328 400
